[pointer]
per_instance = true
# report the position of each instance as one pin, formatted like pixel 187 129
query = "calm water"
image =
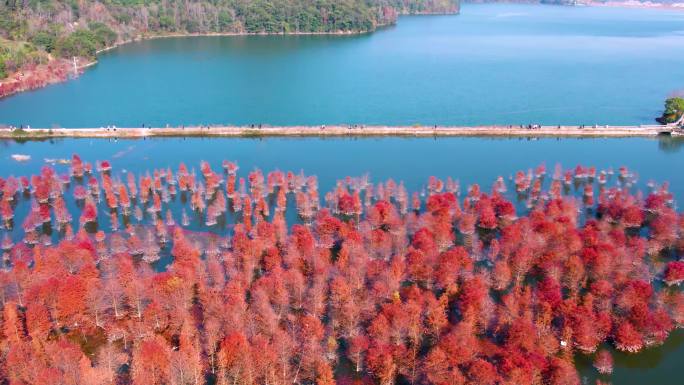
pixel 491 64
pixel 471 160
pixel 411 160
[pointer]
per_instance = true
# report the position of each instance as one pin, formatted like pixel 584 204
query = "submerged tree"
pixel 454 290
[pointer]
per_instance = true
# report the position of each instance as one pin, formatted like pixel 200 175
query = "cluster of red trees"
pixel 372 286
pixel 37 76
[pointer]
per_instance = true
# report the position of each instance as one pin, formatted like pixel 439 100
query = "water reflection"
pixel 650 358
pixel 671 144
pixel 651 366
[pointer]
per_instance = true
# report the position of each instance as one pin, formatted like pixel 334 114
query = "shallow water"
pixel 411 160
pixel 471 160
pixel 493 63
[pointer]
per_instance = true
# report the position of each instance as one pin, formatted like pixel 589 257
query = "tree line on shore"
pixel 371 285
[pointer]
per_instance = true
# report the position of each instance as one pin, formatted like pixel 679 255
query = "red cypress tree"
pixel 627 338
pixel 603 362
pixel 482 372
pixel 674 273
pixel 38 321
pixel 13 329
pixel 150 362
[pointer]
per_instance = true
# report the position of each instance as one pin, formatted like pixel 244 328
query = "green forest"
pixel 674 109
pixel 30 30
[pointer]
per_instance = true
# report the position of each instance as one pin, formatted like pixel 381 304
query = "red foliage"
pixel 674 273
pixel 561 372
pixel 71 303
pixel 32 77
pixel 38 321
pixel 482 372
pixel 486 215
pixel 627 338
pixel 402 293
pixel 550 291
pixel 603 362
pixel 382 362
pixel 151 362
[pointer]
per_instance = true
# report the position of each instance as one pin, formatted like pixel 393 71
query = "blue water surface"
pixel 493 63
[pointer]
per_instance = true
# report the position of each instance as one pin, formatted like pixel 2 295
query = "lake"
pixel 494 63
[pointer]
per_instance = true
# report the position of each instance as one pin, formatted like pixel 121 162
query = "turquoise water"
pixel 408 160
pixel 493 63
pixel 470 160
pixel 411 160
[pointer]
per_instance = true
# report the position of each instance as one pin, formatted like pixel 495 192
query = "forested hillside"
pixel 79 28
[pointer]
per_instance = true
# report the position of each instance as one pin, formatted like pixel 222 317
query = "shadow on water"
pixel 650 358
pixel 627 366
pixel 671 144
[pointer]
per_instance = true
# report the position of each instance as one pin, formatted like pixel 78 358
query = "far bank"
pixel 48 42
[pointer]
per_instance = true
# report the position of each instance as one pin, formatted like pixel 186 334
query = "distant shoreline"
pixel 154 36
pixel 635 4
pixel 17 77
pixel 80 68
pixel 142 38
pixel 23 73
pixel 343 130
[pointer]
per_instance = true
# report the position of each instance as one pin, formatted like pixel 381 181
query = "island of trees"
pixel 33 33
pixel 184 277
pixel 674 111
